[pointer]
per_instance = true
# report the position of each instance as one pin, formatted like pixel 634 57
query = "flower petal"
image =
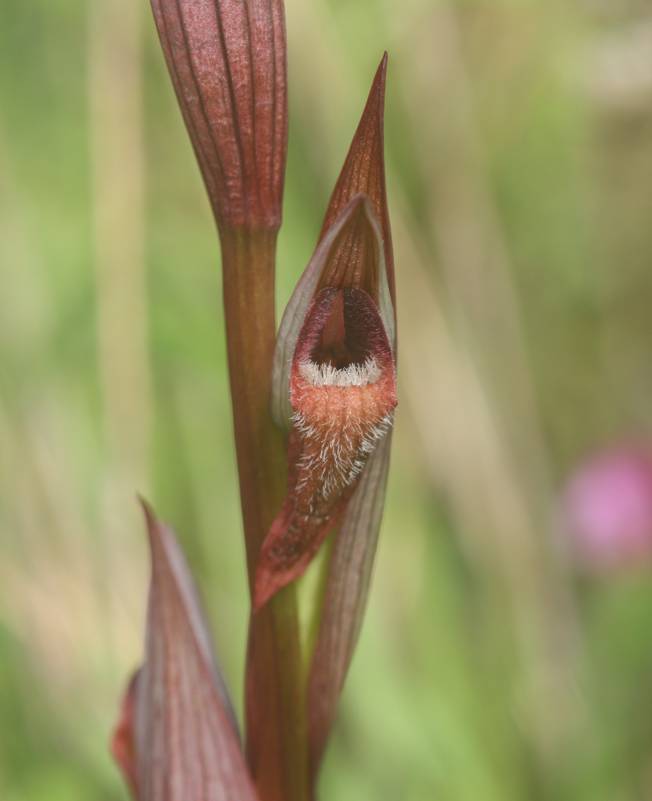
pixel 227 61
pixel 183 744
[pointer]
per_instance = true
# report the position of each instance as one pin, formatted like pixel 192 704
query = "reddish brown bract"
pixel 228 66
pixel 364 169
pixel 177 739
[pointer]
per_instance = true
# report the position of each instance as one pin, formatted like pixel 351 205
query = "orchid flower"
pixel 334 384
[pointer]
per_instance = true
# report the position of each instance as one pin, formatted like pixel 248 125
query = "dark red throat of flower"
pixel 343 394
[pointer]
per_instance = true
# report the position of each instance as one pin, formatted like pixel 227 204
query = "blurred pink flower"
pixel 608 508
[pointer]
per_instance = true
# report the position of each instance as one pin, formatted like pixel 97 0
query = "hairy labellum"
pixel 342 394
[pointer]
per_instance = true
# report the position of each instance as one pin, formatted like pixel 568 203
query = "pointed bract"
pixel 178 740
pixel 227 61
pixel 364 169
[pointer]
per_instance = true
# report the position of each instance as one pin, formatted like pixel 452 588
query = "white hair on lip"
pixel 342 452
pixel 355 375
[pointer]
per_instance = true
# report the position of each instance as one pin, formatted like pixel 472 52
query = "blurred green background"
pixel 519 148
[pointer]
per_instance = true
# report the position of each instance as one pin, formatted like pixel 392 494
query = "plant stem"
pixel 274 689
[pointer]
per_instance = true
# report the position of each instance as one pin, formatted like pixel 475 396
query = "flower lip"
pixel 344 360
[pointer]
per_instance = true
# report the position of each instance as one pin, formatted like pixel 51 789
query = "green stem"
pixel 274 690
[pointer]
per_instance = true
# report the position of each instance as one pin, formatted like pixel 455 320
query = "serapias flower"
pixel 335 376
pixel 341 388
pixel 177 738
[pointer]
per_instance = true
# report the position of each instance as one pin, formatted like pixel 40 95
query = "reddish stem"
pixel 275 714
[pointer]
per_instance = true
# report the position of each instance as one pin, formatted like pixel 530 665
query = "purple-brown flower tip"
pixel 176 739
pixel 227 61
pixel 364 168
pixel 336 370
